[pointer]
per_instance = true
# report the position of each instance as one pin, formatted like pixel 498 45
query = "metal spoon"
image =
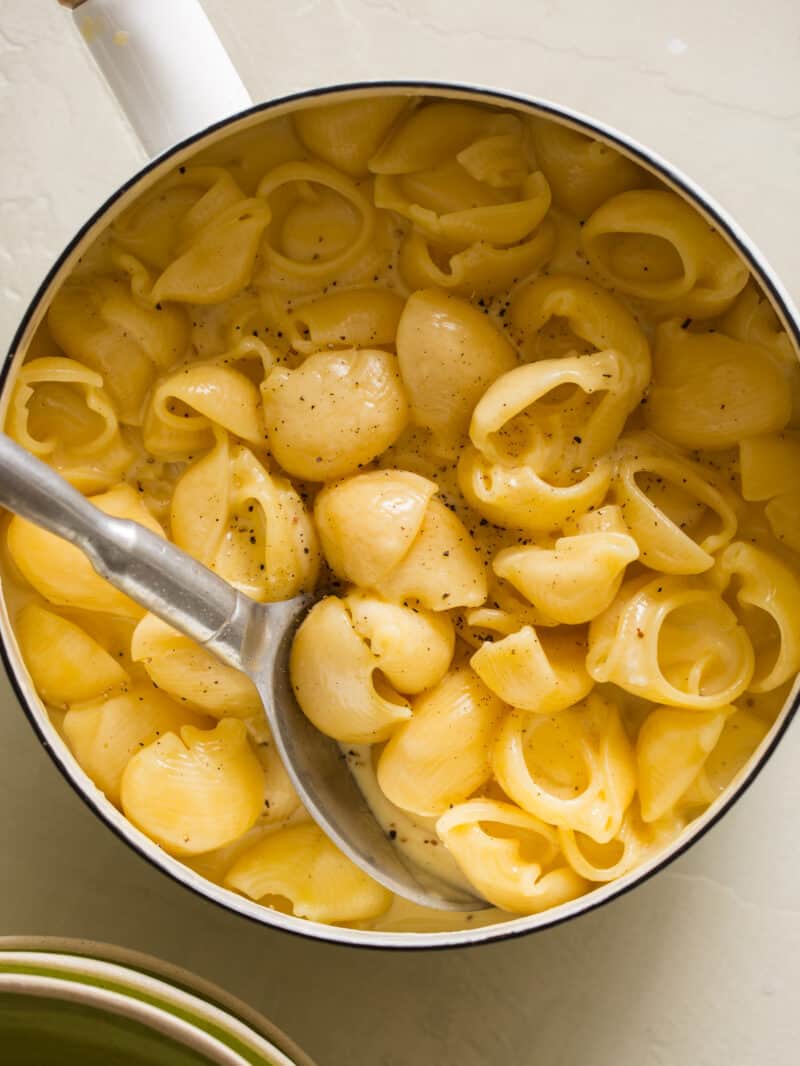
pixel 253 637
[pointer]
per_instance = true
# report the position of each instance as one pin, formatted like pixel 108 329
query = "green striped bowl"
pixel 79 1003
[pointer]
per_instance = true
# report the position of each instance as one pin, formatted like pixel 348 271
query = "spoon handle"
pixel 134 560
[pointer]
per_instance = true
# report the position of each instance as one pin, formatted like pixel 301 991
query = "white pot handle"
pixel 164 63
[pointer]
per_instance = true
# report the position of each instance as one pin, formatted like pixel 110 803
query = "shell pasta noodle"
pixel 519 411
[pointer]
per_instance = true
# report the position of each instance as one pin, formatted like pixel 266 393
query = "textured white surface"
pixel 701 966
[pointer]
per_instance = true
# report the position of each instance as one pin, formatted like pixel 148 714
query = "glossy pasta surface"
pixel 518 406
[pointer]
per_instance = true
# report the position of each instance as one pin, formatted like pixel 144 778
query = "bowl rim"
pixel 153 979
pixel 153 1017
pixel 34 708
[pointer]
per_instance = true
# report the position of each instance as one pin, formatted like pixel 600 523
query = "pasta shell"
pixel 335 413
pixel 336 679
pixel 543 672
pixel 301 865
pixel 190 673
pixel 510 856
pixel 105 737
pixel 574 770
pixel 671 748
pixel 421 769
pixel 66 664
pixel 194 792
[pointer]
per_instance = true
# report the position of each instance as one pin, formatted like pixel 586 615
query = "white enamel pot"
pixel 182 94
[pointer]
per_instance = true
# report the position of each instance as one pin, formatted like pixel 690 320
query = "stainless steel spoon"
pixel 253 637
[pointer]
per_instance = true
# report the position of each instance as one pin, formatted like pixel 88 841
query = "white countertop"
pixel 700 966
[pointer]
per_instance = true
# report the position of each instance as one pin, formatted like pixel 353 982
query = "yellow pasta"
pixel 336 678
pixel 67 665
pixel 768 596
pixel 517 422
pixel 517 497
pixel 185 407
pixel 101 323
pixel 767 465
pixel 106 736
pixel 574 770
pixel 576 579
pixel 352 657
pixel 582 172
pixel 156 228
pixel 783 514
pixel 441 203
pixel 368 523
pixel 542 672
pixel 504 613
pixel 383 530
pixel 672 745
pixel 441 569
pixel 673 641
pixel 479 268
pixel 346 135
pixel 61 413
pixel 196 790
pixel 438 131
pixel 190 673
pixel 301 865
pixel 218 262
pixel 753 320
pixel 414 647
pixel 280 798
pixel 566 256
pixel 247 524
pixel 335 413
pixel 357 318
pixel 245 157
pixel 418 770
pixel 675 513
pixel 651 244
pixel 741 735
pixel 510 856
pixel 557 315
pixel 633 844
pixel 540 433
pixel 449 353
pixel 475 201
pixel 712 392
pixel 522 414
pixel 325 225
